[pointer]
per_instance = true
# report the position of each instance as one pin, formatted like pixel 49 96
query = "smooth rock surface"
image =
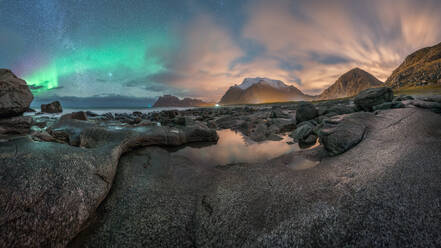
pixel 341 133
pixel 48 191
pixel 383 192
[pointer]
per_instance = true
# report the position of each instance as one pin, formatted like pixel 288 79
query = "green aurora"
pixel 133 55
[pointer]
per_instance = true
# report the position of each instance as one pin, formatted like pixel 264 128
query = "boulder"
pixel 53 107
pixel 15 95
pixel 82 116
pixel 369 98
pixel 15 125
pixel 49 191
pixel 306 111
pixel 341 133
pixel 309 141
pixel 302 132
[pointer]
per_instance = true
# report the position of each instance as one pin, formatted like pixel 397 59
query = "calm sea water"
pixel 112 110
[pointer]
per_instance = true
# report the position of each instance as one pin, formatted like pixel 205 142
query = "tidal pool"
pixel 233 147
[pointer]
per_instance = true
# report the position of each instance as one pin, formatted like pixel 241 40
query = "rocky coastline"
pixel 89 180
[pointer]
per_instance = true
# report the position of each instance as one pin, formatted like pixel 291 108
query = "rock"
pixel 53 107
pixel 343 132
pixel 184 121
pixel 403 98
pixel 372 97
pixel 30 110
pixel 91 114
pixel 389 105
pixel 159 199
pixel 15 125
pixel 15 95
pixel 75 116
pixel 433 106
pixel 308 142
pixel 340 109
pixel 306 111
pixel 49 191
pixel 302 132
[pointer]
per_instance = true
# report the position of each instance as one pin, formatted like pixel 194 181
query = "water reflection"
pixel 233 147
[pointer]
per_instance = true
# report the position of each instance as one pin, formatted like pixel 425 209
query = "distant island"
pixel 173 101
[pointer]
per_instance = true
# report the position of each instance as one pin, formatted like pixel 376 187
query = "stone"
pixel 341 133
pixel 15 95
pixel 16 125
pixel 53 107
pixel 82 116
pixel 389 105
pixel 49 191
pixel 308 141
pixel 369 98
pixel 302 132
pixel 305 111
pixel 162 200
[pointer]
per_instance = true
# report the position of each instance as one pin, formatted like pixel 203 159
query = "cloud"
pixel 330 37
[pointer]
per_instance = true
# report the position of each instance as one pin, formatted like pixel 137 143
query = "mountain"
pixel 350 84
pixel 420 68
pixel 261 90
pixel 173 101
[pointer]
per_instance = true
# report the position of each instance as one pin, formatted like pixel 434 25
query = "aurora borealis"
pixel 195 48
pixel 103 61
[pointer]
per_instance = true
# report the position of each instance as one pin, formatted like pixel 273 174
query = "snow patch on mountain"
pixel 248 82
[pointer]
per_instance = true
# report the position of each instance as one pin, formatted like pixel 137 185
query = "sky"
pixel 142 49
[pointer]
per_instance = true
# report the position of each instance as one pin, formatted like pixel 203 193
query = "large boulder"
pixel 306 111
pixel 15 95
pixel 341 133
pixel 53 107
pixel 49 191
pixel 369 98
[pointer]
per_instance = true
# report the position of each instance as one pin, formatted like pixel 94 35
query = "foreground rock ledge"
pixel 383 192
pixel 49 190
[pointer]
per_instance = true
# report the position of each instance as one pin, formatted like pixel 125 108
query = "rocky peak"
pixel 420 68
pixel 350 84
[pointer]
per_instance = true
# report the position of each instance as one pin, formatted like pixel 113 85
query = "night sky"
pixel 141 49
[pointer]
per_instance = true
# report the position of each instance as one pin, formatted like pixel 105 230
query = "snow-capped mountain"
pixel 248 82
pixel 261 90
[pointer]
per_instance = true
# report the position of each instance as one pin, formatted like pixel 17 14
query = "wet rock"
pixel 306 111
pixel 389 105
pixel 15 95
pixel 308 141
pixel 15 125
pixel 302 132
pixel 343 132
pixel 53 107
pixel 369 98
pixel 82 116
pixel 49 190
